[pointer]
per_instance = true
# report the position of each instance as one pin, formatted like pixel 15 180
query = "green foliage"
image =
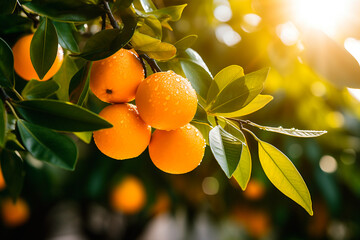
pixel 6 65
pixel 44 47
pixel 36 89
pixel 48 146
pixel 3 123
pixel 66 36
pixel 59 115
pixel 7 7
pixel 283 174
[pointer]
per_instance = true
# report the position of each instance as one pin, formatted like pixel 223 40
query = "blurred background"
pixel 312 47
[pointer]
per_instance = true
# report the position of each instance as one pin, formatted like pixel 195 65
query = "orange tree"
pixel 40 117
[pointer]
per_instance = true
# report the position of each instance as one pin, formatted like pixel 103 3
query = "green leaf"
pixel 172 13
pixel 153 47
pixel 121 4
pixel 59 115
pixel 198 77
pixel 226 149
pixel 200 115
pixel 204 128
pixel 44 47
pixel 6 65
pixel 186 42
pixel 243 171
pixel 66 36
pixel 3 123
pixel 283 175
pixel 256 104
pixel 329 59
pixel 7 7
pixel 106 42
pixel 48 146
pixel 79 85
pixel 12 143
pixel 84 136
pixel 239 92
pixel 13 171
pixel 39 89
pixel 66 10
pixel 222 79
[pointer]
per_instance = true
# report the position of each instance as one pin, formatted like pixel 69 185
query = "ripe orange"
pixel 2 180
pixel 254 190
pixel 177 151
pixel 22 61
pixel 128 137
pixel 14 214
pixel 128 196
pixel 166 100
pixel 116 78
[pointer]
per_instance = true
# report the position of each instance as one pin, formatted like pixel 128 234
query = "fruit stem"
pixel 152 62
pixel 32 16
pixel 12 109
pixel 103 23
pixel 17 94
pixel 111 17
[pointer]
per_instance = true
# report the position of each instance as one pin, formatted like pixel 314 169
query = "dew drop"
pixel 188 127
pixel 167 97
pixel 156 88
pixel 177 103
pixel 122 121
pixel 197 134
pixel 164 103
pixel 187 92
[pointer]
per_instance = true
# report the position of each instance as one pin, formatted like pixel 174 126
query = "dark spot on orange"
pixel 108 91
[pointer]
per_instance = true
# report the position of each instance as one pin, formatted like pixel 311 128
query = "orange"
pixel 128 137
pixel 166 100
pixel 2 180
pixel 177 151
pixel 128 196
pixel 254 190
pixel 116 78
pixel 22 61
pixel 14 214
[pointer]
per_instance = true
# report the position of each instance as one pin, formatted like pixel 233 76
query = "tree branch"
pixel 154 66
pixel 111 17
pixel 29 15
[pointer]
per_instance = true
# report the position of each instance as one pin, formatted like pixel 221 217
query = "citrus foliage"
pixel 46 113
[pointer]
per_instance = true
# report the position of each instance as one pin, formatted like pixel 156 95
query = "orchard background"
pixel 300 55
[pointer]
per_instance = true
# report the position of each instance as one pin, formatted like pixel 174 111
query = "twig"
pixel 4 95
pixel 111 17
pixel 29 15
pixel 103 23
pixel 154 66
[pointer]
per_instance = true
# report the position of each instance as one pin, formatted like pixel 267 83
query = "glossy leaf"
pixel 239 92
pixel 226 149
pixel 44 47
pixel 290 131
pixel 256 104
pixel 199 79
pixel 6 65
pixel 7 6
pixel 14 24
pixel 66 36
pixel 222 79
pixel 330 59
pixel 12 143
pixel 191 55
pixel 66 10
pixel 47 145
pixel 153 47
pixel 106 42
pixel 186 42
pixel 38 89
pixel 121 4
pixel 3 123
pixel 13 171
pixel 148 5
pixel 59 115
pixel 150 26
pixel 284 175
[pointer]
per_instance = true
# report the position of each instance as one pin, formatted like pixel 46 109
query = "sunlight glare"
pixel 326 15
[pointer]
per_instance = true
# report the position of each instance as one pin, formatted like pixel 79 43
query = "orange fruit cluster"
pixel 22 61
pixel 164 100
